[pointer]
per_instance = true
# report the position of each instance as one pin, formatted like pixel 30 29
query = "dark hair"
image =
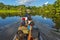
pixel 19 32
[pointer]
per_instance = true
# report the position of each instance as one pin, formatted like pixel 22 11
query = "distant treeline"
pixel 51 11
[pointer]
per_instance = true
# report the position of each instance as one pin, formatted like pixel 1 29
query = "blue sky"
pixel 27 2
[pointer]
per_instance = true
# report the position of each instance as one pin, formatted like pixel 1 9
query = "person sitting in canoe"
pixel 29 19
pixel 28 15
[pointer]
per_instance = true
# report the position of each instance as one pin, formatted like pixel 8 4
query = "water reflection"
pixel 44 20
pixel 9 20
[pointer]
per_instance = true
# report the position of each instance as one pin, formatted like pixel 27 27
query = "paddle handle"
pixel 29 37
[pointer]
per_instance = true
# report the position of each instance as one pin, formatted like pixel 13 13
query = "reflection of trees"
pixel 2 16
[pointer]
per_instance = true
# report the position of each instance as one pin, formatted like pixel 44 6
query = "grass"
pixel 9 11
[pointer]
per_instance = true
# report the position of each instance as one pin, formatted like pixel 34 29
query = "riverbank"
pixel 9 11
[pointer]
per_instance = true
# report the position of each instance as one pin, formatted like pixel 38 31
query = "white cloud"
pixel 25 1
pixel 46 3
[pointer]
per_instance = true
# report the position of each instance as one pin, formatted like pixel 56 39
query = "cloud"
pixel 46 3
pixel 25 1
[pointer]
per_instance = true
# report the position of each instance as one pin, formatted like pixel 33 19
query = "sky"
pixel 27 2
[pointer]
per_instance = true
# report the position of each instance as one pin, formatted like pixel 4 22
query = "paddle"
pixel 29 36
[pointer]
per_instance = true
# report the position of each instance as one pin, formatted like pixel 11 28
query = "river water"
pixel 6 30
pixel 10 20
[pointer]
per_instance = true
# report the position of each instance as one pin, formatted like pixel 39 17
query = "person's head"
pixel 20 34
pixel 28 11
